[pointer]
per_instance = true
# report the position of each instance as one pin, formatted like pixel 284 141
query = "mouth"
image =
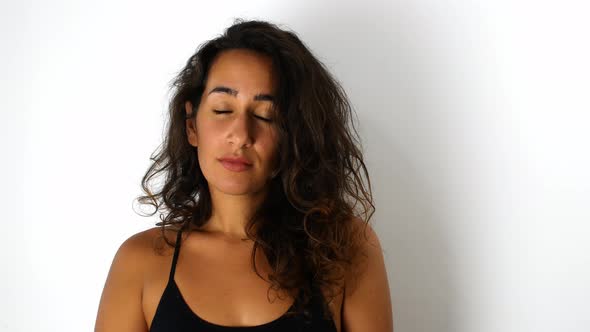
pixel 235 166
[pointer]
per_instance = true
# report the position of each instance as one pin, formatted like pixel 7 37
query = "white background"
pixel 474 117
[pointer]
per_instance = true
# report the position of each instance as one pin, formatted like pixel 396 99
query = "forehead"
pixel 246 71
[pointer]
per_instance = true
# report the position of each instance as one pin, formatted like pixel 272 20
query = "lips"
pixel 236 160
pixel 236 167
pixel 235 164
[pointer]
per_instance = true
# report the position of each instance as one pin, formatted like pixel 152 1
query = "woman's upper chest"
pixel 219 284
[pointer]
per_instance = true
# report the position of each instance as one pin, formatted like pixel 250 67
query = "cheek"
pixel 206 148
pixel 207 131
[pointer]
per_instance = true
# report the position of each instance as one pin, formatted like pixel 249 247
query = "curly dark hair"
pixel 308 225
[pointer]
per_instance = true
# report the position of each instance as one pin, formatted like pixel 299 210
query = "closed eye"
pixel 259 117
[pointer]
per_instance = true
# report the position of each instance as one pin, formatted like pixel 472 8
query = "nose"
pixel 241 131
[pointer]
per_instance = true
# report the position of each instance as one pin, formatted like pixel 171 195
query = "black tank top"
pixel 174 315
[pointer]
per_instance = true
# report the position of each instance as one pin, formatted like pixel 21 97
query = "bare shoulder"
pixel 120 306
pixel 150 242
pixel 367 303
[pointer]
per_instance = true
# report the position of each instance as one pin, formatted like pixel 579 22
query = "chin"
pixel 237 188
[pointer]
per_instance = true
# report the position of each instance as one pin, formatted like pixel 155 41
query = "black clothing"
pixel 174 315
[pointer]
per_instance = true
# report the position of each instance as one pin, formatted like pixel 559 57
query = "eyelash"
pixel 259 117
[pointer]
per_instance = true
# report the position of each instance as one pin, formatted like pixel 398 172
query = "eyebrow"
pixel 233 92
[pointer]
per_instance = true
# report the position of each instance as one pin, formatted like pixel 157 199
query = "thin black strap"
pixel 175 258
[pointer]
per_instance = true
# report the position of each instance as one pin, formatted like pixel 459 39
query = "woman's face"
pixel 241 84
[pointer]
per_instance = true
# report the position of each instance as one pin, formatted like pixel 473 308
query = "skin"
pixel 242 131
pixel 213 271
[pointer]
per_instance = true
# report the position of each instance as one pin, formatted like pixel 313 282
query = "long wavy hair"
pixel 308 224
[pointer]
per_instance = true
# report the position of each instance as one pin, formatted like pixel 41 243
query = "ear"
pixel 191 128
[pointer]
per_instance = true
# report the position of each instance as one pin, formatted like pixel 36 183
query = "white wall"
pixel 474 116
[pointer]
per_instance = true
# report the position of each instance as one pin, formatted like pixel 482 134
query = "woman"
pixel 262 177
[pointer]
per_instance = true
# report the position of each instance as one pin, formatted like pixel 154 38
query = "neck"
pixel 231 214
